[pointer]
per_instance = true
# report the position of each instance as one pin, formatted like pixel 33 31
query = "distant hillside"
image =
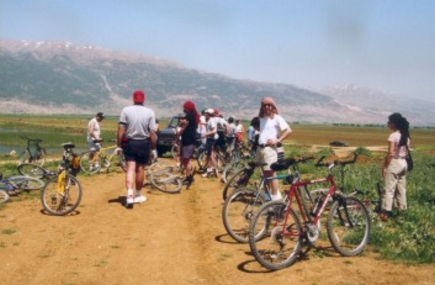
pixel 60 77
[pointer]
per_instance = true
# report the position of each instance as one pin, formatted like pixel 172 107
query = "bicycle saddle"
pixel 68 145
pixel 282 165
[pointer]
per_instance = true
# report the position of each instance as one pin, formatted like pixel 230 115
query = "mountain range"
pixel 39 77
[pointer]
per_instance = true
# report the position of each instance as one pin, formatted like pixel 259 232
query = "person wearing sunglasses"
pixel 273 130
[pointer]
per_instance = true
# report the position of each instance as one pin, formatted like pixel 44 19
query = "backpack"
pixel 220 128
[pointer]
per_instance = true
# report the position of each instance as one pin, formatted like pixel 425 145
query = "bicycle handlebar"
pixel 29 140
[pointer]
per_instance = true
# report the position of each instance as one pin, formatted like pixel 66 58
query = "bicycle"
pixel 240 207
pixel 17 184
pixel 163 177
pixel 282 234
pixel 62 193
pixel 35 171
pixel 92 161
pixel 33 153
pixel 238 160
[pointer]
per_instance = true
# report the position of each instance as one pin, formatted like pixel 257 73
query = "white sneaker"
pixel 139 199
pixel 130 200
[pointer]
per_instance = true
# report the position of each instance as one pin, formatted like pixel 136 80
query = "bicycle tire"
pixel 90 166
pixel 238 180
pixel 280 244
pixel 238 211
pixel 116 160
pixel 174 151
pixel 31 170
pixel 201 160
pixel 348 226
pixel 25 183
pixel 162 177
pixel 4 196
pixel 58 202
pixel 232 168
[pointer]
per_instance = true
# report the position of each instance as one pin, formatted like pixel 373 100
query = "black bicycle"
pixel 33 153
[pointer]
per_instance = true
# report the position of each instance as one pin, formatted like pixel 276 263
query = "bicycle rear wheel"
pixel 61 195
pixel 31 170
pixel 238 211
pixel 164 178
pixel 4 196
pixel 90 162
pixel 348 226
pixel 279 243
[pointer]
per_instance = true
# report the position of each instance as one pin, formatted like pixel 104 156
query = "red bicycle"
pixel 286 226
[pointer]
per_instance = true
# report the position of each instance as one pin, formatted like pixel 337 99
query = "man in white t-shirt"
pixel 273 130
pixel 94 132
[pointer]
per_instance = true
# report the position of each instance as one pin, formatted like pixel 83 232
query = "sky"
pixel 387 45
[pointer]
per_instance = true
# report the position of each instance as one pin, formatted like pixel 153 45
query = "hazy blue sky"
pixel 384 44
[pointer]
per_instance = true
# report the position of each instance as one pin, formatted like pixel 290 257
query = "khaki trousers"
pixel 395 185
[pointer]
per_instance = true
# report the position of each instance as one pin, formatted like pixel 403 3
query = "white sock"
pixel 278 196
pixel 129 192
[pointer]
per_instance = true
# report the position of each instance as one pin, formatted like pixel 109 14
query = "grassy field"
pixel 409 238
pixel 54 130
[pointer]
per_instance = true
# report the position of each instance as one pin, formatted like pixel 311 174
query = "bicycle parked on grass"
pixel 62 193
pixel 92 161
pixel 17 184
pixel 240 207
pixel 288 225
pixel 33 153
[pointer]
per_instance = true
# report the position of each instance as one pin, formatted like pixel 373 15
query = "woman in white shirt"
pixel 395 167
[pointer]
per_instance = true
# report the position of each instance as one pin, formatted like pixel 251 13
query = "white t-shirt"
pixel 97 130
pixel 212 125
pixel 271 128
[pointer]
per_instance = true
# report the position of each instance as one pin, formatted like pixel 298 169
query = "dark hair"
pixel 230 120
pixel 255 122
pixel 402 124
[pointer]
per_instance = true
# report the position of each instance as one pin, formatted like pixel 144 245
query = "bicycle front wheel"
pixel 274 236
pixel 61 195
pixel 348 226
pixel 238 180
pixel 90 162
pixel 238 211
pixel 231 169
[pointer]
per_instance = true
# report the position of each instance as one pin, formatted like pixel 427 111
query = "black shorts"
pixel 138 151
pixel 209 145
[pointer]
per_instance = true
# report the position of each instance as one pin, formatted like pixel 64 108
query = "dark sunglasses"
pixel 267 105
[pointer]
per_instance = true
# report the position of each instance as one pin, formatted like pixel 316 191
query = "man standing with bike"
pixel 136 137
pixel 273 130
pixel 94 132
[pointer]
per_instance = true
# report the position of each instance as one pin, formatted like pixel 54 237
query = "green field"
pixel 54 130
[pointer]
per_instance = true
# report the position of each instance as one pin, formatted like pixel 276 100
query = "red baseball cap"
pixel 138 96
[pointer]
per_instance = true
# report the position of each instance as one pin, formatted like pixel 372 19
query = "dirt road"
pixel 170 239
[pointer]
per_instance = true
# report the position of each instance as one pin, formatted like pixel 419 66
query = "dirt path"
pixel 170 239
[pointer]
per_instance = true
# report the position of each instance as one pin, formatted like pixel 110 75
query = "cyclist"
pixel 273 130
pixel 137 138
pixel 94 134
